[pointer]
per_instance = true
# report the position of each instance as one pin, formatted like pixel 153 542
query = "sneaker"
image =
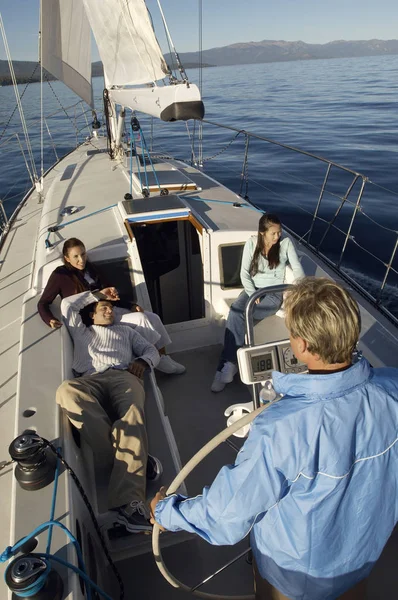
pixel 224 376
pixel 134 517
pixel 168 365
pixel 154 468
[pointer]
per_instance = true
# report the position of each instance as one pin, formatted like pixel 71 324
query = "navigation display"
pixel 256 363
pixel 261 363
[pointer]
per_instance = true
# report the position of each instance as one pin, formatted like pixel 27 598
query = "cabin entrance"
pixel 172 264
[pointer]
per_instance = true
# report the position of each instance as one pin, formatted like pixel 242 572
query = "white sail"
pixel 66 45
pixel 126 42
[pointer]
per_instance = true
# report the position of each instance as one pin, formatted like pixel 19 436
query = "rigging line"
pixel 32 121
pixel 375 222
pixel 145 148
pixel 272 192
pixel 16 106
pixel 174 65
pixel 23 154
pixel 268 189
pixel 179 64
pixel 59 101
pixel 193 157
pixel 41 102
pixel 52 141
pixel 354 241
pixel 286 146
pixel 16 91
pixel 8 139
pixel 326 192
pixel 223 149
pixel 138 36
pixel 200 132
pixel 382 187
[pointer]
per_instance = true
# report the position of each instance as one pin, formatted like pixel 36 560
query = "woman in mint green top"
pixel 264 260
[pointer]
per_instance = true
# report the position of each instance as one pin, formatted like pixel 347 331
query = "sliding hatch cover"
pixel 154 208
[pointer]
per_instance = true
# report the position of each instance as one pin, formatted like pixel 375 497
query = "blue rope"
pixel 9 552
pixel 150 160
pixel 136 155
pixel 131 163
pixel 35 587
pixel 95 212
pixel 144 163
pixel 61 226
pixel 79 572
pixel 249 206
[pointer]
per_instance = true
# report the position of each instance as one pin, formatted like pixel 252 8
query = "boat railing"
pixel 333 210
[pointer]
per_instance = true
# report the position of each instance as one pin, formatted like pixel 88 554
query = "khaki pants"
pixel 108 410
pixel 266 591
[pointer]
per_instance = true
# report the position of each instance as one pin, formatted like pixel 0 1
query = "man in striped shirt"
pixel 106 404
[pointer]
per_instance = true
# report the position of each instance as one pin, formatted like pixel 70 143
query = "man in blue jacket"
pixel 307 482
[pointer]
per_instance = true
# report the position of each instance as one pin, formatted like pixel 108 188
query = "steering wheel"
pixel 181 476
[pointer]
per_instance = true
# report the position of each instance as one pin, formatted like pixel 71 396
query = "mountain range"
pixel 275 51
pixel 239 54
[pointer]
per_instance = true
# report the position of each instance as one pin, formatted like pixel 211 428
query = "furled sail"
pixel 126 42
pixel 66 44
pixel 132 56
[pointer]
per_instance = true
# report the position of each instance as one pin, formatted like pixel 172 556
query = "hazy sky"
pixel 230 21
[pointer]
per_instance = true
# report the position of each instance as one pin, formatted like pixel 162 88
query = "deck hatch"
pixel 68 173
pixel 170 179
pixel 155 208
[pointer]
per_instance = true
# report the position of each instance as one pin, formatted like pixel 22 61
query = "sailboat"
pixel 172 237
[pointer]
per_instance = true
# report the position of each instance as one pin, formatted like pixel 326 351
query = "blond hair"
pixel 326 316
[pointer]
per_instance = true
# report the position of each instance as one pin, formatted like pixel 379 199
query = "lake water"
pixel 344 110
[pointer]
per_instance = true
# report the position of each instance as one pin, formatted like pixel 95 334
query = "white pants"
pixel 147 324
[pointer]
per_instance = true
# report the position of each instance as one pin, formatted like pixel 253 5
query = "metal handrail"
pixel 273 289
pixel 286 146
pixel 3 212
pixel 306 239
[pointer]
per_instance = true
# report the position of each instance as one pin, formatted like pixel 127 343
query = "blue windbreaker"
pixel 315 484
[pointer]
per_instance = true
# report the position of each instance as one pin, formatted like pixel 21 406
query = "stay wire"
pixel 59 101
pixel 200 132
pixel 16 106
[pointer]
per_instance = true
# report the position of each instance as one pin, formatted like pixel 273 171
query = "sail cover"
pixel 126 42
pixel 66 45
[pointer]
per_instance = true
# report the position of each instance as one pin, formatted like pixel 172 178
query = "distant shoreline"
pixel 239 54
pixel 97 72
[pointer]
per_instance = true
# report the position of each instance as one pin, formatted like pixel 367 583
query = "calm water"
pixel 345 110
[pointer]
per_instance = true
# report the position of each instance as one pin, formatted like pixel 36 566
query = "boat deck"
pixel 196 416
pixel 16 268
pixel 87 180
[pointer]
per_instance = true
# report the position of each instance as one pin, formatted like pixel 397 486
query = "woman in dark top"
pixel 77 275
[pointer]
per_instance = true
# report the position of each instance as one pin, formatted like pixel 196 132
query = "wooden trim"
pixel 193 220
pixel 129 230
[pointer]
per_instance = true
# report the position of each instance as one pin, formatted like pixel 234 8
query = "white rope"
pixel 21 113
pixel 168 34
pixel 41 102
pixel 200 133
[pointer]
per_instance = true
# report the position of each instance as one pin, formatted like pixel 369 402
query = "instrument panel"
pixel 256 363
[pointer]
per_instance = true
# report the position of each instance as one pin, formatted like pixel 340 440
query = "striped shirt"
pixel 109 346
